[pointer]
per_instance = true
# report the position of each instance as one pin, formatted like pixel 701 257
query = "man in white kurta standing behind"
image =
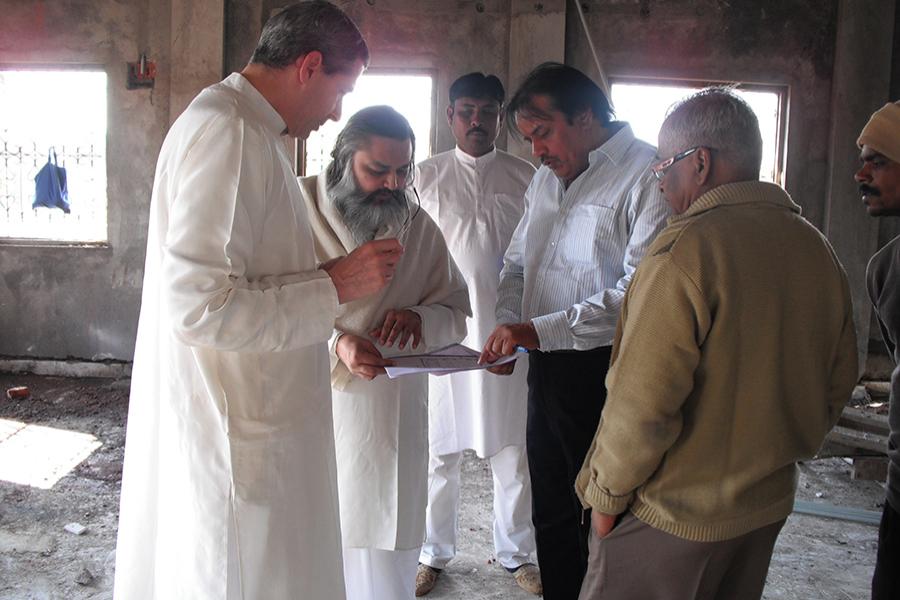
pixel 380 424
pixel 476 193
pixel 229 487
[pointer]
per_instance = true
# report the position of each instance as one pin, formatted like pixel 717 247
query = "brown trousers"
pixel 637 562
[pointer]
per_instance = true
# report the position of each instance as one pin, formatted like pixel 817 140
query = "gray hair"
pixel 304 27
pixel 381 121
pixel 715 118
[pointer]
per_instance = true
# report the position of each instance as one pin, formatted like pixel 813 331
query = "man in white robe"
pixel 476 194
pixel 380 424
pixel 229 488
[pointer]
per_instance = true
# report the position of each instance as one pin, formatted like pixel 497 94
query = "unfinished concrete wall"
pixel 61 301
pixel 784 42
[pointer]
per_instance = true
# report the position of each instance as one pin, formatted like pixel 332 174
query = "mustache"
pixel 394 196
pixel 476 130
pixel 868 190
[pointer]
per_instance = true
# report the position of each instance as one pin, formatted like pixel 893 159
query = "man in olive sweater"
pixel 879 185
pixel 734 355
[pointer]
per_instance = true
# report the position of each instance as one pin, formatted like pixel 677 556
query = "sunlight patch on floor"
pixel 40 456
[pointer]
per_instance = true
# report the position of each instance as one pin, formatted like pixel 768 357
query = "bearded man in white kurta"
pixel 476 193
pixel 380 424
pixel 229 488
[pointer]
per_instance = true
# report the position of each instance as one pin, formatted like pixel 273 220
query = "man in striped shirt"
pixel 592 210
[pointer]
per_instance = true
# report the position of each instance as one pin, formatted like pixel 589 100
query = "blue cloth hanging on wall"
pixel 50 186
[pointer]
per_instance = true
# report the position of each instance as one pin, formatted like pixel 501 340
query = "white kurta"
pixel 229 487
pixel 380 426
pixel 477 203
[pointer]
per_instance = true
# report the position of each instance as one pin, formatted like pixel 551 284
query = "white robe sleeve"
pixel 221 183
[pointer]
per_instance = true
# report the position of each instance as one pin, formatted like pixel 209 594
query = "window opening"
pixel 644 103
pixel 65 110
pixel 410 94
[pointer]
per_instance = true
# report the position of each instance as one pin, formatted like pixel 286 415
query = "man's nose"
pixel 392 181
pixel 863 174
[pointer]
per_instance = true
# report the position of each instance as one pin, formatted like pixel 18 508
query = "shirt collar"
pixel 616 146
pixel 741 192
pixel 471 161
pixel 257 103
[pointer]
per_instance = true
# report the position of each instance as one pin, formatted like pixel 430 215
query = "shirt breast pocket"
pixel 587 226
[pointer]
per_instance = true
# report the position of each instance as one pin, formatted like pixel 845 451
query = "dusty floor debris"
pixel 815 558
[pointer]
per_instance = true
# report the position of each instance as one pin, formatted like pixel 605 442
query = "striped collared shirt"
pixel 575 250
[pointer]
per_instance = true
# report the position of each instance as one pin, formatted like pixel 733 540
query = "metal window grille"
pixel 86 174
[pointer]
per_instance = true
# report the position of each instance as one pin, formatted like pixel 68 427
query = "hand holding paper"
pixel 361 356
pixel 506 340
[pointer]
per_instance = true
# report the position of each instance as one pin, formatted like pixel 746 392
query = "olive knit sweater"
pixel 734 356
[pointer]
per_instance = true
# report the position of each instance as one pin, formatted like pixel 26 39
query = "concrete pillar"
pixel 862 71
pixel 198 42
pixel 537 33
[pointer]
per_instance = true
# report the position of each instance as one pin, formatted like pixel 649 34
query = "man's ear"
pixel 702 165
pixel 450 115
pixel 584 118
pixel 308 64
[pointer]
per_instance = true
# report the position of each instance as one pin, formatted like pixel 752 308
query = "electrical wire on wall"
pixel 604 84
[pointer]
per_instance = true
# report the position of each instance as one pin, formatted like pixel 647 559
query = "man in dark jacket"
pixel 879 185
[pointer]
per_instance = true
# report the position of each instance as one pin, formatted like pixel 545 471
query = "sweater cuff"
pixel 553 332
pixel 603 501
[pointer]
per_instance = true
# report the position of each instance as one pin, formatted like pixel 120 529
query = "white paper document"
pixel 452 359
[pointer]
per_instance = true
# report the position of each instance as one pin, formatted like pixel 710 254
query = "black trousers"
pixel 566 393
pixel 886 580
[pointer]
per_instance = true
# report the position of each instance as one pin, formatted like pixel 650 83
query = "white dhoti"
pixel 373 574
pixel 513 534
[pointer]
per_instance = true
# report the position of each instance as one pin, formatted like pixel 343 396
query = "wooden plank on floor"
pixel 842 441
pixel 861 420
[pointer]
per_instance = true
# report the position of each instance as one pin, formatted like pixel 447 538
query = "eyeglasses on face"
pixel 659 170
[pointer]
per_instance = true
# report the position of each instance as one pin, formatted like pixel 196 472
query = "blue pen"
pixel 522 349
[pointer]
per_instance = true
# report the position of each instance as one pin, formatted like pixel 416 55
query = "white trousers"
pixel 373 574
pixel 513 530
